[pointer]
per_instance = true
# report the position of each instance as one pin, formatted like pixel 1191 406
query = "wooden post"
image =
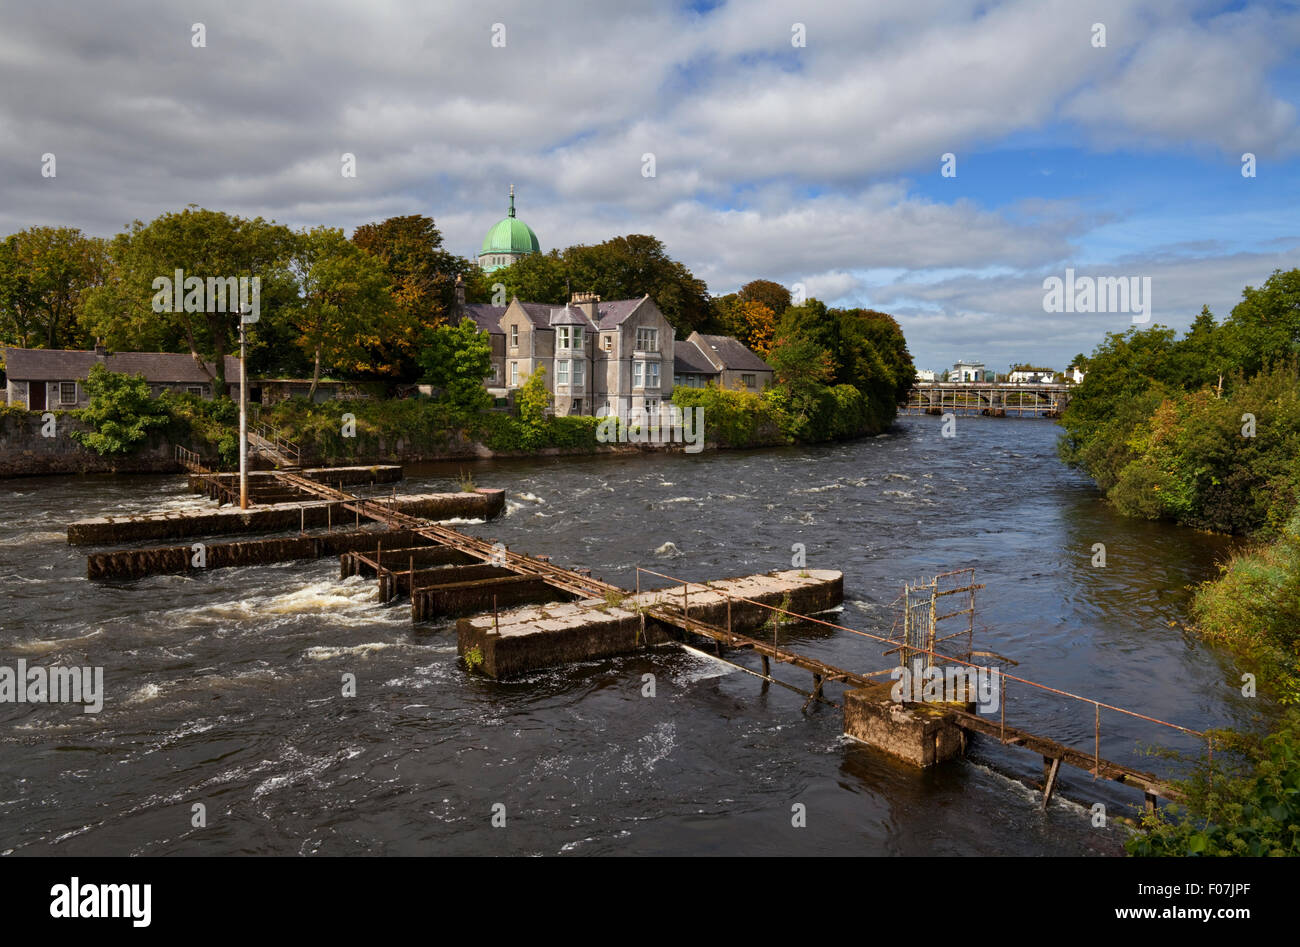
pixel 1050 786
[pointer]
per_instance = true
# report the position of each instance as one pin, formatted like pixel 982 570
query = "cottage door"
pixel 36 396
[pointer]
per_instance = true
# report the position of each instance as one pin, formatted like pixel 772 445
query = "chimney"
pixel 589 303
pixel 460 293
pixel 101 350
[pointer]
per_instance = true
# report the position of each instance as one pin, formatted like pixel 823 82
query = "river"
pixel 224 690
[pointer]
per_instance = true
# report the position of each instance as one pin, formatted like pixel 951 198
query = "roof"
pixel 569 316
pixel 689 360
pixel 734 354
pixel 66 365
pixel 486 317
pixel 615 311
pixel 510 235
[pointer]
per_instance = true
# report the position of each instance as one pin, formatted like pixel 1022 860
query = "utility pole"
pixel 243 419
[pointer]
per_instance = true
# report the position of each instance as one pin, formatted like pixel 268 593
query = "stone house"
pixel 54 379
pixel 601 357
pixel 719 360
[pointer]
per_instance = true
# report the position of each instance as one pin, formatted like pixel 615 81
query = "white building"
pixel 1022 377
pixel 963 371
pixel 923 374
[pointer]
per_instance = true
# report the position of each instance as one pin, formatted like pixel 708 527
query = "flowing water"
pixel 225 689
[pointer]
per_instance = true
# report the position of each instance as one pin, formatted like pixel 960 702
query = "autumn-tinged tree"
pixel 748 320
pixel 772 295
pixel 421 284
pixel 203 244
pixel 45 276
pixel 345 305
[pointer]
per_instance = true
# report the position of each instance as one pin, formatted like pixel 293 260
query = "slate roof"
pixel 734 354
pixel 689 360
pixel 570 316
pixel 66 365
pixel 615 311
pixel 486 317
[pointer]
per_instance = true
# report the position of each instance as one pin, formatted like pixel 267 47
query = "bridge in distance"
pixel 992 399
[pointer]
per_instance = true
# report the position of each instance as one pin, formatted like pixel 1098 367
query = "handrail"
pixel 1087 700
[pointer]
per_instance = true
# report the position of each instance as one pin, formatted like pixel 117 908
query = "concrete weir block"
pixel 140 527
pixel 914 733
pixel 523 640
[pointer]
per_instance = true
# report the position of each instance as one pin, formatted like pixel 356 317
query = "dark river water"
pixel 224 690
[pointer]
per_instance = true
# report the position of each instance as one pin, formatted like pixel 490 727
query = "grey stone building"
pixel 54 379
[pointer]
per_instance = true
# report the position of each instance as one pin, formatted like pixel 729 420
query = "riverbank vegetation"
pixel 1204 430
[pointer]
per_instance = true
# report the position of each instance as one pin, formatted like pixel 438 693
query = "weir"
pixel 570 616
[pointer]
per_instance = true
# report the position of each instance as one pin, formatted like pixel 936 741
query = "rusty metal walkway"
pixel 672 614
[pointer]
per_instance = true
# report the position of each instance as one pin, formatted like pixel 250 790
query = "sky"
pixel 801 142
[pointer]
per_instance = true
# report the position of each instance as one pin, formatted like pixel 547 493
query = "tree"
pixel 749 321
pixel 772 295
pixel 1265 326
pixel 632 266
pixel 421 283
pixel 533 400
pixel 203 244
pixel 456 358
pixel 344 303
pixel 534 278
pixel 45 274
pixel 121 412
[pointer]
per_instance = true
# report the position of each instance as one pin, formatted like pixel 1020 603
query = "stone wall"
pixel 26 452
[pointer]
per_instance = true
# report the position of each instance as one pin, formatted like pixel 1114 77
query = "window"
pixel 514 374
pixel 647 340
pixel 651 406
pixel 562 372
pixel 747 381
pixel 607 343
pixel 577 337
pixel 652 374
pixel 67 392
pixel 638 374
pixel 564 337
pixel 578 373
pixel 514 337
pixel 194 390
pixel 577 406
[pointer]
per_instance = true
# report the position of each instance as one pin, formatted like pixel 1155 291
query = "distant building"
pixel 509 240
pixel 1021 377
pixel 1073 375
pixel 55 379
pixel 963 371
pixel 924 375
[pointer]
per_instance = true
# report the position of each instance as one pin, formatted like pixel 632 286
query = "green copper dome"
pixel 510 235
pixel 508 239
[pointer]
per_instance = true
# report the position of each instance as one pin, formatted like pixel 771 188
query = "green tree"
pixel 344 302
pixel 534 278
pixel 203 244
pixel 533 400
pixel 121 412
pixel 45 275
pixel 456 358
pixel 632 266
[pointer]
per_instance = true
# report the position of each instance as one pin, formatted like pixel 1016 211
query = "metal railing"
pixel 1097 705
